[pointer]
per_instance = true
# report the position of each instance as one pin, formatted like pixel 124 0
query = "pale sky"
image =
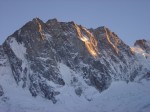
pixel 129 19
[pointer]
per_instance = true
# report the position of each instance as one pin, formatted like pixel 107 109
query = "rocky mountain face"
pixel 141 50
pixel 3 64
pixel 37 53
pixel 144 45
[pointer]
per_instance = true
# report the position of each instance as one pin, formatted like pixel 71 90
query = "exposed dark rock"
pixel 144 44
pixel 1 91
pixel 78 91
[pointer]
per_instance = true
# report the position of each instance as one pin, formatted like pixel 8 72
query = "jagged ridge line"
pixel 116 49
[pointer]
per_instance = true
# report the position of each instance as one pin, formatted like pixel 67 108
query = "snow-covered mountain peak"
pixel 142 54
pixel 48 59
pixel 143 44
pixel 142 47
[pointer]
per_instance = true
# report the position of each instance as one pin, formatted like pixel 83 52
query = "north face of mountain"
pixel 47 57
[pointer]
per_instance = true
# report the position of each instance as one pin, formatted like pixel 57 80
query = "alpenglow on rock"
pixel 39 54
pixel 143 44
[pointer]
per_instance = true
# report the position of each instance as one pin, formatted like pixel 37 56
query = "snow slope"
pixel 119 97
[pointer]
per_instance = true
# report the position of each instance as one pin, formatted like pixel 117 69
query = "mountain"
pixel 141 50
pixel 46 60
pixel 144 45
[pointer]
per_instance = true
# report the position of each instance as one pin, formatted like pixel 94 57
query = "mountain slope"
pixel 49 59
pixel 119 97
pixel 141 50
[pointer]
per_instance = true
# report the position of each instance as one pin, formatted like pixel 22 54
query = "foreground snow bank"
pixel 123 97
pixel 119 97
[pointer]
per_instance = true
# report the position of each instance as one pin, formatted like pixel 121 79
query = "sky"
pixel 129 19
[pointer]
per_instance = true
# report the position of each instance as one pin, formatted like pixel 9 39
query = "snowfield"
pixel 119 97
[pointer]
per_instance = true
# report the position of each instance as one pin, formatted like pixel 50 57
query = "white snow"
pixel 48 36
pixel 68 76
pixel 119 97
pixel 142 57
pixel 18 49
